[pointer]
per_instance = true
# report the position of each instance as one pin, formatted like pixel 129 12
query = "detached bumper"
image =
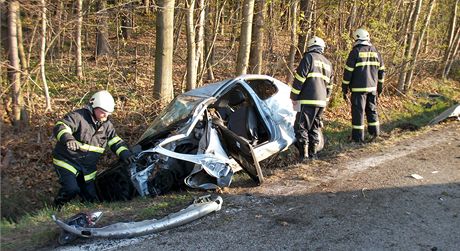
pixel 200 207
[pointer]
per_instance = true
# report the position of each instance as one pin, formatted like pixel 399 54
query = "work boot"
pixel 303 151
pixel 313 152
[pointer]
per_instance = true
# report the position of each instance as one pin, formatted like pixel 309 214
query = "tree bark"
pixel 200 40
pixel 147 6
pixel 450 40
pixel 79 63
pixel 22 54
pixel 304 25
pixel 42 57
pixel 245 38
pixel 102 33
pixel 191 46
pixel 293 46
pixel 163 86
pixel 209 34
pixel 418 44
pixel 14 70
pixel 126 22
pixel 351 19
pixel 408 48
pixel 453 53
pixel 255 59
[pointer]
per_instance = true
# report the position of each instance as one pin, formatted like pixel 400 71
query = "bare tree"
pixel 42 57
pixel 200 39
pixel 255 59
pixel 191 45
pixel 102 42
pixel 163 86
pixel 78 53
pixel 245 38
pixel 147 6
pixel 352 17
pixel 304 24
pixel 293 46
pixel 22 54
pixel 453 53
pixel 423 29
pixel 126 21
pixel 450 40
pixel 14 70
pixel 408 48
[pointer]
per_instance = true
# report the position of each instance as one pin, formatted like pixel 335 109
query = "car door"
pixel 243 153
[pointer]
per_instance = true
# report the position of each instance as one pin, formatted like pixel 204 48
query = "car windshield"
pixel 179 109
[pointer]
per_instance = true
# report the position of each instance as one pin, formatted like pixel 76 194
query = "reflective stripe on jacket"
pixel 313 80
pixel 93 136
pixel 364 69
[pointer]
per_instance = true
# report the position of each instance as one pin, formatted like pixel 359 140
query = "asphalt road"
pixel 366 198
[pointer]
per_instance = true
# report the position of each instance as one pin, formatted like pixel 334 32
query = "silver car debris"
pixel 83 224
pixel 204 135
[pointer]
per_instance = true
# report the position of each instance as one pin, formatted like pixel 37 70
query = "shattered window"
pixel 177 111
pixel 264 88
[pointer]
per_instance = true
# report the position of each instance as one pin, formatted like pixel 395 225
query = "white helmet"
pixel 104 100
pixel 361 34
pixel 316 41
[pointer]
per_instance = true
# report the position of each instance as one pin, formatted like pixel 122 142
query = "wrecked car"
pixel 204 136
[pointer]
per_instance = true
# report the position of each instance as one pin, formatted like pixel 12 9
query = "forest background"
pixel 55 54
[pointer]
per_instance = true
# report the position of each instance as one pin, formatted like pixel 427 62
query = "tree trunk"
pixel 163 86
pixel 79 63
pixel 200 40
pixel 293 47
pixel 14 75
pixel 102 42
pixel 453 54
pixel 191 46
pixel 255 60
pixel 42 57
pixel 245 38
pixel 126 22
pixel 423 29
pixel 22 54
pixel 208 41
pixel 351 19
pixel 451 37
pixel 408 49
pixel 304 25
pixel 147 6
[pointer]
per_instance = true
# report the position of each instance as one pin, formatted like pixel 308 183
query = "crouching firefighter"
pixel 311 90
pixel 82 136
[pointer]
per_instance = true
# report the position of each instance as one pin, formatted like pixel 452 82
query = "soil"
pixel 366 198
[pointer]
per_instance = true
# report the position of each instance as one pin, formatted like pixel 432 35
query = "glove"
pixel 130 159
pixel 345 97
pixel 73 145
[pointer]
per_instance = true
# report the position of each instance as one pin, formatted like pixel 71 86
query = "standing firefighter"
pixel 364 76
pixel 82 136
pixel 311 90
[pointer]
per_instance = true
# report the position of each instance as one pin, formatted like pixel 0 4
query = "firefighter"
pixel 310 93
pixel 82 136
pixel 364 76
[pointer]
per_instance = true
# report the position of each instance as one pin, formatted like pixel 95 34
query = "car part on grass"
pixel 80 219
pixel 452 112
pixel 199 208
